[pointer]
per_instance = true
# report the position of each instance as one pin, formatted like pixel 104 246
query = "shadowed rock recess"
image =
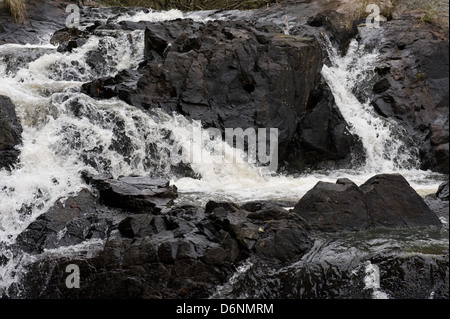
pixel 382 201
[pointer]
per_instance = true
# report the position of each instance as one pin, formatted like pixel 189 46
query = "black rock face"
pixel 68 223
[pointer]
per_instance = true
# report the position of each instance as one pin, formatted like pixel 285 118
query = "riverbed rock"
pixel 341 27
pixel 322 139
pixel 392 202
pixel 334 207
pixel 186 252
pixel 10 133
pixel 42 17
pixel 69 222
pixel 385 200
pixel 134 194
pixel 265 77
pixel 402 276
pixel 68 39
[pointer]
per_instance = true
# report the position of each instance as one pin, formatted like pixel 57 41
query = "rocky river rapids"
pixel 101 168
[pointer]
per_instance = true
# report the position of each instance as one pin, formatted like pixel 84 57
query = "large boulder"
pixel 10 133
pixel 322 139
pixel 333 207
pixel 385 200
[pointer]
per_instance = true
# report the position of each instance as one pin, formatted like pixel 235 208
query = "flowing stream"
pixel 66 133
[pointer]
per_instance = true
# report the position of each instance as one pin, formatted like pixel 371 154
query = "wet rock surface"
pixel 341 27
pixel 185 59
pixel 192 252
pixel 134 194
pixel 181 252
pixel 68 223
pixel 248 74
pixel 401 276
pixel 267 80
pixel 385 200
pixel 439 203
pixel 43 17
pixel 10 133
pixel 412 86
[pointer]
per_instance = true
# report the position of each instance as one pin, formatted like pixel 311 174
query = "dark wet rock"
pixel 439 202
pixel 442 192
pixel 185 57
pixel 255 206
pixel 334 207
pixel 267 80
pixel 322 138
pixel 68 39
pixel 341 27
pixel 139 226
pixel 10 133
pixel 135 194
pixel 187 252
pixel 411 86
pixel 402 276
pixel 272 233
pixel 67 223
pixel 422 276
pixel 385 200
pixel 392 202
pixel 43 17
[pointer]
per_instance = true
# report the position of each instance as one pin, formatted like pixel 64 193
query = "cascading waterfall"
pixel 66 133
